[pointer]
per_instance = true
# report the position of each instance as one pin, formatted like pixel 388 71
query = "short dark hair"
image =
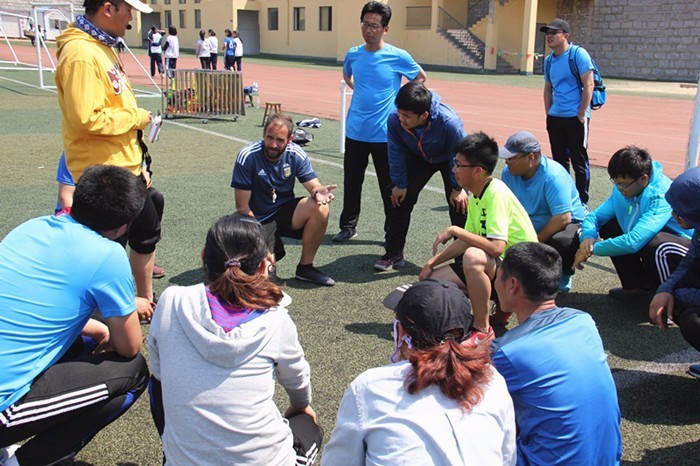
pixel 92 6
pixel 201 34
pixel 227 32
pixel 630 161
pixel 537 266
pixel 479 149
pixel 414 97
pixel 172 30
pixel 107 197
pixel 379 8
pixel 211 32
pixel 234 249
pixel 282 120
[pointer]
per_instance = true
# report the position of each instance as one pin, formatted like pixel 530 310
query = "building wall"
pixel 640 39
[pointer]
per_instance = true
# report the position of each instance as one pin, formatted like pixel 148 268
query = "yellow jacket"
pixel 100 114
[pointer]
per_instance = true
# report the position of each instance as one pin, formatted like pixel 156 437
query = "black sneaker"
pixel 344 234
pixel 309 273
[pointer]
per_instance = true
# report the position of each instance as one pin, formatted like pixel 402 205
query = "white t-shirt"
pixel 155 40
pixel 173 50
pixel 213 44
pixel 239 47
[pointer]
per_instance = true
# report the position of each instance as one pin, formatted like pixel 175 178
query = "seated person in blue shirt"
pixel 54 273
pixel 549 196
pixel 263 181
pixel 555 367
pixel 635 226
pixel 678 298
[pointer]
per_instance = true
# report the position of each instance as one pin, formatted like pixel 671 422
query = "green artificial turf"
pixel 344 329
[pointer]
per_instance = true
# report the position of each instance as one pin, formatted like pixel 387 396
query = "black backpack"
pixel 599 96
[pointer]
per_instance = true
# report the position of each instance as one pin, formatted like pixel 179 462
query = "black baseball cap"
pixel 557 24
pixel 430 309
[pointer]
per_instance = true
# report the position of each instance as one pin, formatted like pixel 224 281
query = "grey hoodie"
pixel 218 387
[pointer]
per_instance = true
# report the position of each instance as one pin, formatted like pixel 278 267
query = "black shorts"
pixel 280 226
pixel 144 232
pixel 457 268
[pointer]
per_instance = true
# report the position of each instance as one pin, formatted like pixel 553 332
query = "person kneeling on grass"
pixel 440 403
pixel 55 389
pixel 263 180
pixel 495 221
pixel 215 352
pixel 678 298
pixel 637 230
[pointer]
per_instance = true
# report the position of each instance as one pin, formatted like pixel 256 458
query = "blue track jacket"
pixel 640 218
pixel 435 144
pixel 683 196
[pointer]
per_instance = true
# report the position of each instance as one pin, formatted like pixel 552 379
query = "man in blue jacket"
pixel 678 298
pixel 636 227
pixel 422 133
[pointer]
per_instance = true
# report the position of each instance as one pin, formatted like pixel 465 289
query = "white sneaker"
pixel 7 455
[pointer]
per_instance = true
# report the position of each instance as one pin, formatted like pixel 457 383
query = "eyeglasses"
pixel 513 159
pixel 552 32
pixel 626 186
pixel 374 27
pixel 462 165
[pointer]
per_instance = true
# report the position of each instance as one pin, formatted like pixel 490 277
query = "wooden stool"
pixel 270 109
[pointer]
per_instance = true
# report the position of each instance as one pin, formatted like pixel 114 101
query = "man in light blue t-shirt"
pixel 567 103
pixel 66 376
pixel 555 367
pixel 549 196
pixel 374 71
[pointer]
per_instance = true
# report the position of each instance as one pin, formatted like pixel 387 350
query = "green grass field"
pixel 343 329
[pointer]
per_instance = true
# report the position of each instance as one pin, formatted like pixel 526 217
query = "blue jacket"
pixel 640 217
pixel 435 145
pixel 683 197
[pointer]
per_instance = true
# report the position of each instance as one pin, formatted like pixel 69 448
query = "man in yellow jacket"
pixel 102 121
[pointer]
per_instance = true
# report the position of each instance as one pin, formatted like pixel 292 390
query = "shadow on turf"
pixel 381 330
pixel 676 455
pixel 661 399
pixel 191 277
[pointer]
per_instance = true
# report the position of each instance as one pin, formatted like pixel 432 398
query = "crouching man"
pixel 263 180
pixel 66 376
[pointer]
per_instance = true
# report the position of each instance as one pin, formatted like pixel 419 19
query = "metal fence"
pixel 203 94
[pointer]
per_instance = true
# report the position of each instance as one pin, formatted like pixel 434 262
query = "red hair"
pixel 460 372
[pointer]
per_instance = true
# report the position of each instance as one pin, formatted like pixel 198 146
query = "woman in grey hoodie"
pixel 214 350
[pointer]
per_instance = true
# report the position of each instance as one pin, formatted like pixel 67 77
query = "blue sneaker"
pixel 566 282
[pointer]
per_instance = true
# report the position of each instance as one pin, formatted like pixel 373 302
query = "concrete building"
pixel 643 39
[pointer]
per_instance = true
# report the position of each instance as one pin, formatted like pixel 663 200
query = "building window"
pixel 198 1
pixel 325 16
pixel 154 2
pixel 299 18
pixel 183 16
pixel 167 2
pixel 168 18
pixel 198 19
pixel 182 2
pixel 273 19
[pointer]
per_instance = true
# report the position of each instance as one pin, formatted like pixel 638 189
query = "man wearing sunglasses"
pixel 635 225
pixel 567 104
pixel 374 71
pixel 549 196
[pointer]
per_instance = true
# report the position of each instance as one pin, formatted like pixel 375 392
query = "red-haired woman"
pixel 215 352
pixel 441 403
